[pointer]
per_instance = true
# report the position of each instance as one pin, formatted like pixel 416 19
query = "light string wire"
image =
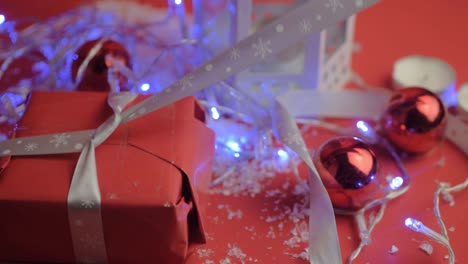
pixel 442 238
pixel 359 216
pixel 444 189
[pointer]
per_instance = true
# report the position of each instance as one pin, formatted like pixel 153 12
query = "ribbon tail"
pixel 324 246
pixel 85 214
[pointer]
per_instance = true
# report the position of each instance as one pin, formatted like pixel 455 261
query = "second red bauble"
pixel 95 76
pixel 414 120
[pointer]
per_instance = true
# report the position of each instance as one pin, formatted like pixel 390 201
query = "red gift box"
pixel 153 173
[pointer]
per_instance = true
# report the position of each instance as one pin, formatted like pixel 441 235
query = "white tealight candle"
pixel 427 72
pixel 463 100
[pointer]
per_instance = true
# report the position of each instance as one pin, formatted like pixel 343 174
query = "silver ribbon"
pixel 324 246
pixel 84 196
pixel 273 38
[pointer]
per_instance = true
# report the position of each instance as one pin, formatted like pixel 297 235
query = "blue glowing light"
pixel 236 155
pixel 214 113
pixel 233 145
pixel 2 19
pixel 396 183
pixel 283 155
pixel 409 222
pixel 145 87
pixel 361 125
pixel 178 2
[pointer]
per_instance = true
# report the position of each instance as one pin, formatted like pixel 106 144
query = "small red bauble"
pixel 414 120
pixel 32 66
pixel 95 76
pixel 348 169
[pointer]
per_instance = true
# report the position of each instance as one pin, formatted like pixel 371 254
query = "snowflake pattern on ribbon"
pixel 305 26
pixel 186 82
pixel 90 241
pixel 234 54
pixel 30 147
pixel 334 4
pixel 60 139
pixel 87 204
pixel 293 139
pixel 262 48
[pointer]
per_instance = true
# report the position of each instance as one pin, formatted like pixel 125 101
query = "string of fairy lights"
pixel 251 138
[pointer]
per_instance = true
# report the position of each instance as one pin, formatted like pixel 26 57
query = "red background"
pixel 386 32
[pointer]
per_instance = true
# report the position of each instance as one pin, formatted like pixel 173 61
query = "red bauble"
pixel 414 120
pixel 348 169
pixel 95 76
pixel 29 66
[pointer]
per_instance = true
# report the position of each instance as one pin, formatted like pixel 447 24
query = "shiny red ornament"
pixel 348 169
pixel 94 78
pixel 31 66
pixel 415 120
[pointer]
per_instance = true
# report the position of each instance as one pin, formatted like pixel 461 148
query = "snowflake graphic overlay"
pixel 60 139
pixel 262 48
pixel 185 82
pixel 30 147
pixel 234 54
pixel 305 26
pixel 334 4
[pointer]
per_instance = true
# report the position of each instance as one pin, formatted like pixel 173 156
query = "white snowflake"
pixel 235 54
pixel 186 82
pixel 262 48
pixel 426 247
pixel 30 147
pixel 334 4
pixel 87 204
pixel 225 261
pixel 394 249
pixel 90 241
pixel 202 252
pixel 235 251
pixel 293 139
pixel 60 139
pixel 305 26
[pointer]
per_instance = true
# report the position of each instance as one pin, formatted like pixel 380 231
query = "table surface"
pixel 251 229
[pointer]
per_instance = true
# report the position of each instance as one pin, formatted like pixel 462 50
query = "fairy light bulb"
pixel 145 87
pixel 396 183
pixel 419 227
pixel 214 113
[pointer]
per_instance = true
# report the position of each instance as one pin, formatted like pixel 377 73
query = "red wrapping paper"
pixel 153 174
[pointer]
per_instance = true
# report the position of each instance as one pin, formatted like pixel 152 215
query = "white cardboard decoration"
pixel 322 62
